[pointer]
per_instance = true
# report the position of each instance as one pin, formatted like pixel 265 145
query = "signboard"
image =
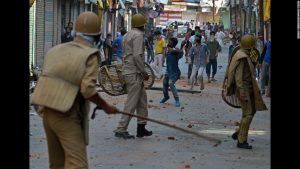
pixel 206 9
pixel 174 8
pixel 267 9
pixel 169 16
pixel 31 2
pixel 193 1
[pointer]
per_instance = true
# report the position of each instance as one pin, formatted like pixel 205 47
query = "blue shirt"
pixel 172 58
pixel 118 43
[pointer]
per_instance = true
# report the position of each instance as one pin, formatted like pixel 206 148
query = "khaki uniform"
pixel 241 79
pixel 134 67
pixel 68 78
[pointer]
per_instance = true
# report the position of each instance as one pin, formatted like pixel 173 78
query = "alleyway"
pixel 167 148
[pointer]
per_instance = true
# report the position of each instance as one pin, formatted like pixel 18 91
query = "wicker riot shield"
pixel 232 100
pixel 112 82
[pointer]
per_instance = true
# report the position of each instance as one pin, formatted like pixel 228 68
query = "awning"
pixel 267 10
pixel 31 2
pixel 100 4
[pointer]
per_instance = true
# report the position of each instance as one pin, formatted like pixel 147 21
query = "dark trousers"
pixel 150 55
pixel 170 82
pixel 108 61
pixel 257 72
pixel 264 75
pixel 212 63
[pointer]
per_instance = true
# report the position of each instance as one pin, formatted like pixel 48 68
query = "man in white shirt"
pixel 220 36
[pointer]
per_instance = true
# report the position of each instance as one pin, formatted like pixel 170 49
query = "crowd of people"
pixel 200 48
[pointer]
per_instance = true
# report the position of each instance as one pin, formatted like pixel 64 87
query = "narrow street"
pixel 168 148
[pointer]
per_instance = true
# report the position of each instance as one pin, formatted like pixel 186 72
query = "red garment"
pixel 187 36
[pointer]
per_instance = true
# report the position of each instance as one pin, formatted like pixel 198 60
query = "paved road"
pixel 205 113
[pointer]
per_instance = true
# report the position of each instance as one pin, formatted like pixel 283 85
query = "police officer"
pixel 242 83
pixel 134 74
pixel 63 91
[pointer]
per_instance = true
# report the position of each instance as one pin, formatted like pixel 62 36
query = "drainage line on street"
pixel 178 90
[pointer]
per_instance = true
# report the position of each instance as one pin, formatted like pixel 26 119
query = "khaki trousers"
pixel 248 109
pixel 136 101
pixel 65 138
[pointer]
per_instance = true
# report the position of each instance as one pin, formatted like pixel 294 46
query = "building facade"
pixel 50 17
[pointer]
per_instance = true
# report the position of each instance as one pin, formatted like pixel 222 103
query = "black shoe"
pixel 234 136
pixel 244 145
pixel 141 131
pixel 124 135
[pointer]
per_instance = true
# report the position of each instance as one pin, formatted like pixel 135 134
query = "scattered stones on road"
pixel 171 138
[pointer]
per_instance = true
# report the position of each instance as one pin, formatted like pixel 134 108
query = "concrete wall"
pixel 226 19
pixel 207 17
pixel 189 15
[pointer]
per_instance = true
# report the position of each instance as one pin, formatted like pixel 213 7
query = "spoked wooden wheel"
pixel 149 83
pixel 112 82
pixel 232 100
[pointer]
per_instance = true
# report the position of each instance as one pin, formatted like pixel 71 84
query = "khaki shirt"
pixel 242 77
pixel 88 83
pixel 133 52
pixel 69 72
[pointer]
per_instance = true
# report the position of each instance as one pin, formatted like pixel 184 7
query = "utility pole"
pixel 213 10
